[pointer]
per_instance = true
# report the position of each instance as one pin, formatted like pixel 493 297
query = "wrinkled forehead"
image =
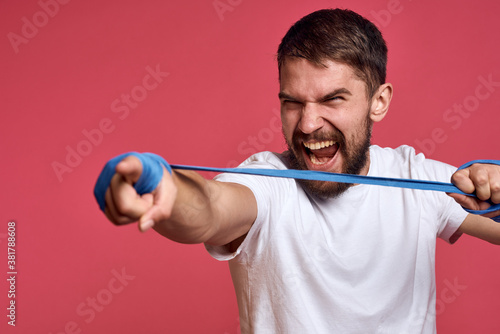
pixel 300 76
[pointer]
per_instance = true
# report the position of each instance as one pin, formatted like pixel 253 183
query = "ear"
pixel 380 102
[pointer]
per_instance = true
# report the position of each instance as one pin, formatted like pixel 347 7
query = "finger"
pixel 126 200
pixel 130 168
pixel 112 213
pixel 108 211
pixel 465 201
pixel 163 201
pixel 495 185
pixel 480 178
pixel 473 203
pixel 461 179
pixel 492 214
pixel 115 217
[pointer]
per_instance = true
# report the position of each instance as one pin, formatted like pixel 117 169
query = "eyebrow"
pixel 285 96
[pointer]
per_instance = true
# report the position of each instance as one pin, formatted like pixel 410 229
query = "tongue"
pixel 326 152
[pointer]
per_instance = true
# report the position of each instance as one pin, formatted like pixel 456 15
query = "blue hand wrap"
pixel 152 172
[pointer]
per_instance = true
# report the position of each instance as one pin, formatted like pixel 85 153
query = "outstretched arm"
pixel 184 207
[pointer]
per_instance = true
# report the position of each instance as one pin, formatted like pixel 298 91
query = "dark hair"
pixel 340 35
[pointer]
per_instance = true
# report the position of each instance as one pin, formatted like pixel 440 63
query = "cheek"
pixel 288 123
pixel 353 128
pixel 356 117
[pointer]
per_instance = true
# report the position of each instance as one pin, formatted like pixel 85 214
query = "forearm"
pixel 184 206
pixel 482 228
pixel 207 211
pixel 192 219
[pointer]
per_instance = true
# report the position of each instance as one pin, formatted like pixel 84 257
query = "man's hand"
pixel 183 206
pixel 124 205
pixel 481 179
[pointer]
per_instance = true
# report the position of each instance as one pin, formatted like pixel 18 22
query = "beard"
pixel 355 155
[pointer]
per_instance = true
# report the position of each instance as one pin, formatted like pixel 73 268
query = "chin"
pixel 320 189
pixel 352 162
pixel 323 189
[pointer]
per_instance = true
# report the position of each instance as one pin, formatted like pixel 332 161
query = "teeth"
pixel 315 160
pixel 320 144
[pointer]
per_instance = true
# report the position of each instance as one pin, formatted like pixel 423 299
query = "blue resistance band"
pixel 153 172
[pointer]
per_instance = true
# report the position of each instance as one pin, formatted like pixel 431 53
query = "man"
pixel 313 256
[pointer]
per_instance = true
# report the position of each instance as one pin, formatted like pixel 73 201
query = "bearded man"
pixel 316 256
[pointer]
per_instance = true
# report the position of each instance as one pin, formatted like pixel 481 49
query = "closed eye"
pixel 334 99
pixel 286 99
pixel 336 95
pixel 289 102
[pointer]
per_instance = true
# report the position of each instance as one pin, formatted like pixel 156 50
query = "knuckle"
pixel 122 221
pixel 124 208
pixel 117 221
pixel 456 177
pixel 459 176
pixel 481 179
pixel 479 176
pixel 495 186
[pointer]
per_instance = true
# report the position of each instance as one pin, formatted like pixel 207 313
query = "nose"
pixel 311 119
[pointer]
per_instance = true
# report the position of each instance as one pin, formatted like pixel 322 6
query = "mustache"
pixel 299 137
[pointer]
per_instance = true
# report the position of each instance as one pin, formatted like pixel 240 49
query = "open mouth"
pixel 321 152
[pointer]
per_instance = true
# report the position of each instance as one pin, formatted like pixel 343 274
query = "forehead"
pixel 302 78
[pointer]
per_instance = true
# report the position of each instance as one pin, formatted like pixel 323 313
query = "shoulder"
pixel 265 159
pixel 401 154
pixel 404 161
pixel 261 160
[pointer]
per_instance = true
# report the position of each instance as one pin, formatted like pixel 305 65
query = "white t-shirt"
pixel 360 263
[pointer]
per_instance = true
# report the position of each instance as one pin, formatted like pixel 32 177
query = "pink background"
pixel 65 78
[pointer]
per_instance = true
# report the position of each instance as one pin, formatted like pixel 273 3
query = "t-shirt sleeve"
pixel 265 189
pixel 451 214
pixel 451 220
